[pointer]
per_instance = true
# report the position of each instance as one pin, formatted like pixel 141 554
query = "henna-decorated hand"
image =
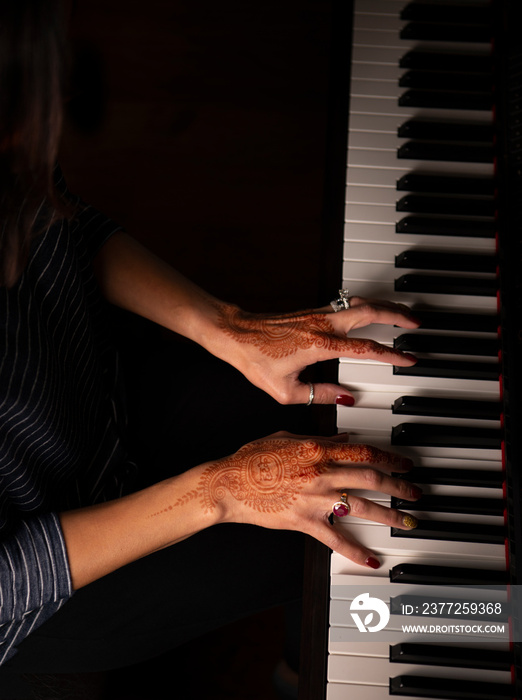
pixel 273 350
pixel 290 483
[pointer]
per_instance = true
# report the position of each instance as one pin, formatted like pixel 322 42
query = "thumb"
pixel 324 393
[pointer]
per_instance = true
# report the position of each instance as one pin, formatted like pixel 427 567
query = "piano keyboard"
pixel 420 230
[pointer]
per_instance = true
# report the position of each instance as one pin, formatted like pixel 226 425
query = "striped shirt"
pixel 62 424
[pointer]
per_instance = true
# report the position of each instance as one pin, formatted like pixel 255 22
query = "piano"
pixel 431 219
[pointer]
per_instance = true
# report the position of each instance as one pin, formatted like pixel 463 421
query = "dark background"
pixel 206 130
pixel 202 128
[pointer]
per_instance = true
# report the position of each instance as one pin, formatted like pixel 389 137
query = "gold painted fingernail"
pixel 410 521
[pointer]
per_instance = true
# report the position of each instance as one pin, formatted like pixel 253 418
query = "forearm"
pixel 133 278
pixel 102 538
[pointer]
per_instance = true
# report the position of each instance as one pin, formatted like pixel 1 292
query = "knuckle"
pixel 358 507
pixel 372 478
pixel 334 540
pixel 368 453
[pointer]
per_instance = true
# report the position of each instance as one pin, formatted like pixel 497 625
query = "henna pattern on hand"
pixel 279 335
pixel 268 475
pixel 267 480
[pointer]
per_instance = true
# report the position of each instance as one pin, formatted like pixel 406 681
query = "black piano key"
pixel 433 226
pixel 452 408
pixel 451 369
pixel 445 131
pixel 432 575
pixel 432 204
pixel 419 59
pixel 448 184
pixel 427 31
pixel 448 152
pixel 480 478
pixel 449 345
pixel 428 435
pixel 449 321
pixel 436 80
pixel 453 657
pixel 434 99
pixel 448 688
pixel 445 12
pixel 450 607
pixel 462 262
pixel 452 504
pixel 439 284
pixel 445 531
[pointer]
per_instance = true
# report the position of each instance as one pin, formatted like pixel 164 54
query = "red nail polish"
pixel 373 563
pixel 345 400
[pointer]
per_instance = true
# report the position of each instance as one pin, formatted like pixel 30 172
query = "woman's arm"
pixel 102 538
pixel 271 350
pixel 280 482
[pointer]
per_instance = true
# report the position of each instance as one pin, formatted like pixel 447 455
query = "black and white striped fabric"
pixel 62 423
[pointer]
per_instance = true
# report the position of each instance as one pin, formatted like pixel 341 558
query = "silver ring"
pixel 343 302
pixel 312 394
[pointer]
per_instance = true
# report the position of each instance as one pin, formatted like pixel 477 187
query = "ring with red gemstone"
pixel 342 507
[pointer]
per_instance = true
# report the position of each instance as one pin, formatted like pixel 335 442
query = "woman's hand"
pixel 273 350
pixel 290 483
pixel 281 482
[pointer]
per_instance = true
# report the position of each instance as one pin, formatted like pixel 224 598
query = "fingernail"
pixel 345 400
pixel 373 563
pixel 409 356
pixel 410 521
pixel 406 463
pixel 416 493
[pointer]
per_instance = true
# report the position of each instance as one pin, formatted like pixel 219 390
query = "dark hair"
pixel 32 73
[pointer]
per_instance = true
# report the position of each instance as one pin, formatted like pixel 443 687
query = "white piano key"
pixel 367 13
pixel 362 231
pixel 369 251
pixel 379 672
pixel 342 565
pixel 381 649
pixel 385 420
pixel 378 538
pixel 383 214
pixel 381 377
pixel 379 289
pixel 374 140
pixel 387 158
pixel 345 691
pixel 362 87
pixel 389 37
pixel 377 72
pixel 344 585
pixel 385 399
pixel 375 196
pixel 387 272
pixel 388 124
pixel 368 166
pixel 382 177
